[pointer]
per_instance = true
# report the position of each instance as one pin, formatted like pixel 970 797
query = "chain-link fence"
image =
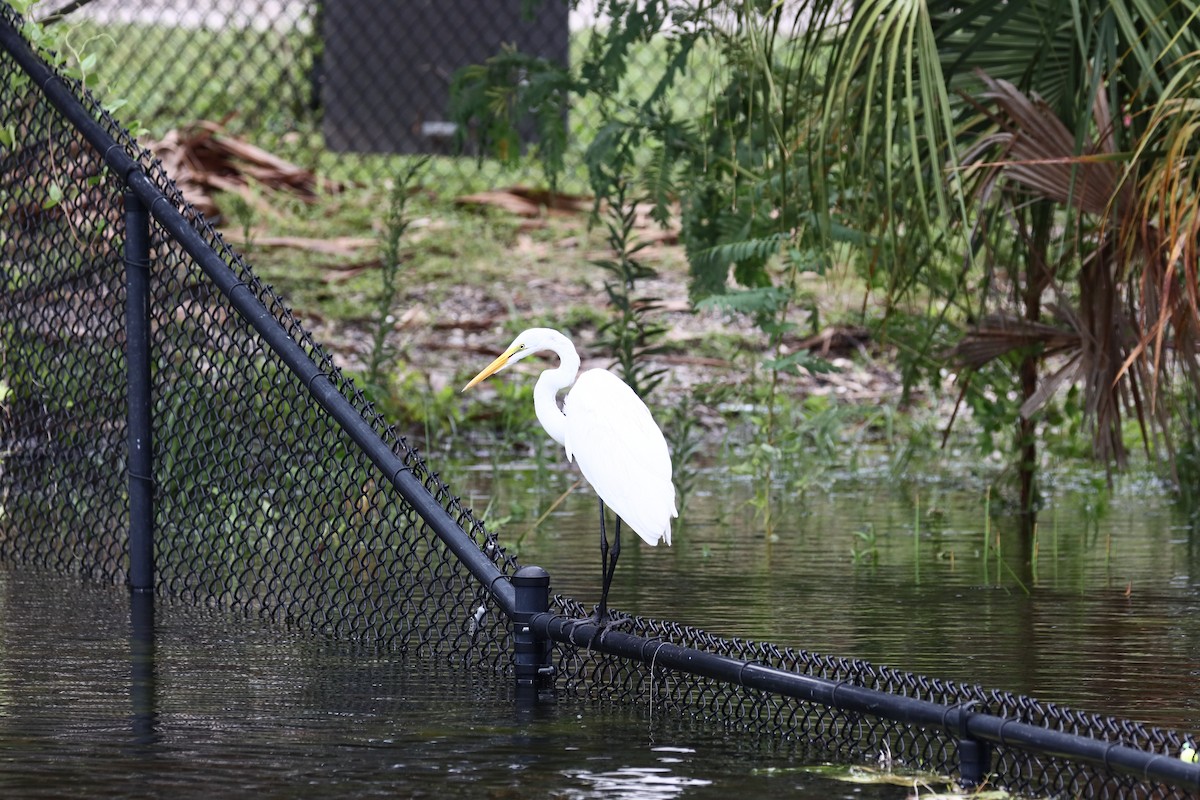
pixel 279 491
pixel 263 502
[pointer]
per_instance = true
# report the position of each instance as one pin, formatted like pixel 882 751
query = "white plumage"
pixel 609 432
pixel 621 453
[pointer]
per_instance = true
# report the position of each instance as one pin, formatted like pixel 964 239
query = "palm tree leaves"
pixel 888 76
pixel 998 336
pixel 999 37
pixel 1129 239
pixel 1164 228
pixel 1037 151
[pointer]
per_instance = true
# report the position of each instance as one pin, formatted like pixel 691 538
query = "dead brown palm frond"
pixel 1029 153
pixel 999 335
pixel 1135 239
pixel 1165 231
pixel 204 158
pixel 1039 153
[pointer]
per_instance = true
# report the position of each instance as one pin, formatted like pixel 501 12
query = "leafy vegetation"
pixel 1013 195
pixel 632 334
pixel 1016 179
pixel 395 223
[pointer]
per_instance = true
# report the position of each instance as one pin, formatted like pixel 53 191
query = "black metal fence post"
pixel 974 756
pixel 143 692
pixel 137 356
pixel 531 653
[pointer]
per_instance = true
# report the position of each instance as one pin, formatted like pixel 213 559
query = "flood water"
pixel 1104 621
pixel 1105 618
pixel 236 708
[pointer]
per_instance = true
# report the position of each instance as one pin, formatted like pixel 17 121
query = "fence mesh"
pixel 262 501
pixel 332 83
pixel 264 504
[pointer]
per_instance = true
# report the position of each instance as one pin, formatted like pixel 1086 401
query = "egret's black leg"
pixel 613 555
pixel 602 609
pixel 610 569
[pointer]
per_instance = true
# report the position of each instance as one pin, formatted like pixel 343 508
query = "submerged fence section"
pixel 143 366
pixel 263 501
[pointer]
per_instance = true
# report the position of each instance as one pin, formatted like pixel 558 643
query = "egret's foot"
pixel 606 622
pixel 602 616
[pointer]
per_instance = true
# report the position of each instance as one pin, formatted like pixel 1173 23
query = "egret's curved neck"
pixel 549 384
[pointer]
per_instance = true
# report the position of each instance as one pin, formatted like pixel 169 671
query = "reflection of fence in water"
pixel 279 492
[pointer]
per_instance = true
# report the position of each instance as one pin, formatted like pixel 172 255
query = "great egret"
pixel 608 431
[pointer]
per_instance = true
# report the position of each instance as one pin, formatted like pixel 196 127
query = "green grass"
pixel 259 83
pixel 449 245
pixel 451 251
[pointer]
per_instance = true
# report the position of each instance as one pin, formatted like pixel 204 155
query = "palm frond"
pixel 1038 152
pixel 888 79
pixel 1001 335
pixel 1164 232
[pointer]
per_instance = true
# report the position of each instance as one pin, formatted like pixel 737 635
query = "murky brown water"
pixel 1106 620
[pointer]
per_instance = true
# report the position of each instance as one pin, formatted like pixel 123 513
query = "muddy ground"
pixel 446 334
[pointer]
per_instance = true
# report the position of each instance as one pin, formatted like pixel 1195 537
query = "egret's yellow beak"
pixel 491 369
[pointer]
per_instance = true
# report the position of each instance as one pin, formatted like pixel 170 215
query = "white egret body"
pixel 608 431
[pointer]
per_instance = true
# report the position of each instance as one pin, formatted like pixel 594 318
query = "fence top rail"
pixel 961 720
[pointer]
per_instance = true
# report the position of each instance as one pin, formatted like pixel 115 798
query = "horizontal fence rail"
pixel 275 489
pixel 961 719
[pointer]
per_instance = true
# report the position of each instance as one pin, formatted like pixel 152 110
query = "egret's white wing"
pixel 621 453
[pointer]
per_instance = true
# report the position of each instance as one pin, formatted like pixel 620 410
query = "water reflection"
pixel 143 683
pixel 234 707
pixel 639 783
pixel 1096 612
